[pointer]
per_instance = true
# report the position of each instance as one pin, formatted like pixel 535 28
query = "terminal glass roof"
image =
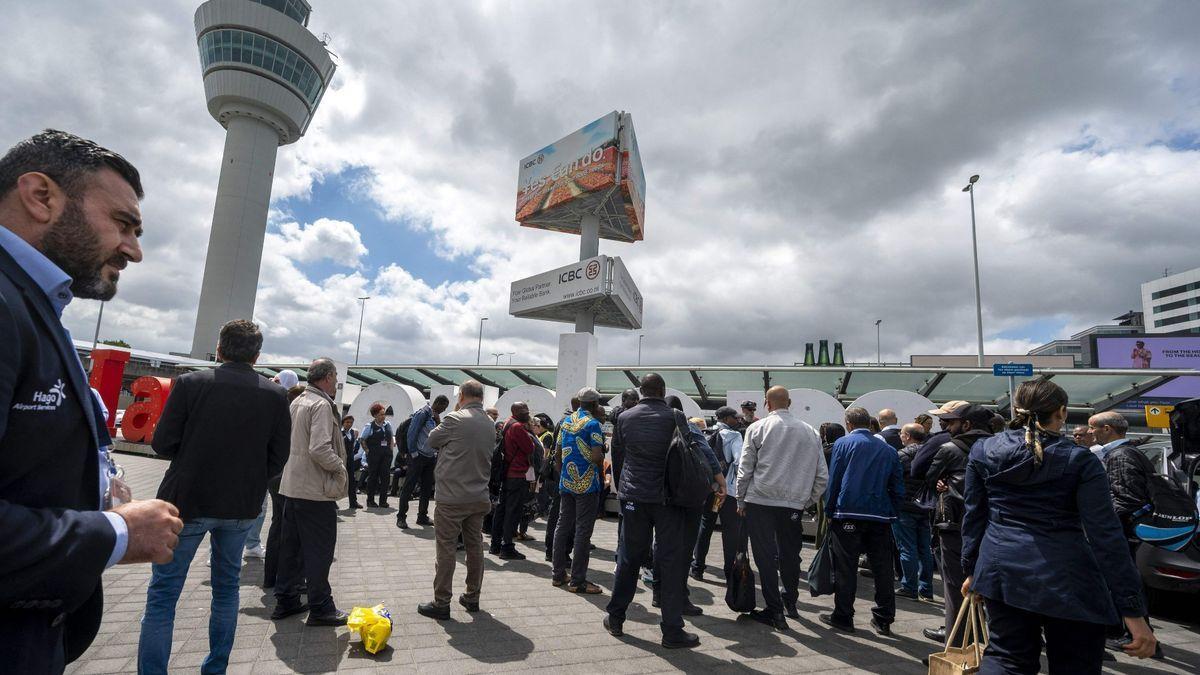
pixel 1088 389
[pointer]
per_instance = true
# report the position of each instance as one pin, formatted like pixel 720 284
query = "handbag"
pixel 739 585
pixel 966 657
pixel 821 569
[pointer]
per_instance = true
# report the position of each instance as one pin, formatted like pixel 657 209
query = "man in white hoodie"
pixel 781 473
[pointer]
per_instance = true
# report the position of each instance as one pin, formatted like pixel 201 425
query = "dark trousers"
pixel 708 524
pixel 733 532
pixel 850 538
pixel 775 540
pixel 379 468
pixel 309 538
pixel 642 524
pixel 1072 647
pixel 351 479
pixel 950 557
pixel 274 534
pixel 552 523
pixel 420 469
pixel 508 512
pixel 576 518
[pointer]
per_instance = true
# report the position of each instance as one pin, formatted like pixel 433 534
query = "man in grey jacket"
pixel 781 473
pixel 464 441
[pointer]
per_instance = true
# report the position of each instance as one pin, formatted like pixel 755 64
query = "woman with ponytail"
pixel 1046 549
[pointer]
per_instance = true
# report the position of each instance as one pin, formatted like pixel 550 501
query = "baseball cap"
pixel 949 409
pixel 750 404
pixel 588 395
pixel 978 416
pixel 725 411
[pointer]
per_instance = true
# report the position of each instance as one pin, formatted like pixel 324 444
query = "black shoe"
pixel 371 504
pixel 460 547
pixel 789 608
pixel 681 640
pixel 905 593
pixel 613 626
pixel 654 601
pixel 937 635
pixel 775 621
pixel 494 550
pixel 355 505
pixel 284 611
pixel 433 611
pixel 881 627
pixel 866 573
pixel 698 575
pixel 827 619
pixel 467 604
pixel 402 523
pixel 337 618
pixel 549 557
pixel 383 504
pixel 422 520
pixel 691 610
pixel 511 555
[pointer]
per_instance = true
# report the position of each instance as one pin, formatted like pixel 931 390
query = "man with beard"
pixel 69 223
pixel 966 425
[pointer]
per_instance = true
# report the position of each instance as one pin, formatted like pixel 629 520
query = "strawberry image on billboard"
pixel 594 170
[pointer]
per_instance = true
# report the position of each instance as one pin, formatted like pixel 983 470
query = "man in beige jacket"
pixel 464 441
pixel 313 480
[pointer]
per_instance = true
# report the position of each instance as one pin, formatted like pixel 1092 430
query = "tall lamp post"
pixel 970 188
pixel 362 312
pixel 640 348
pixel 479 347
pixel 497 355
pixel 878 344
pixel 96 337
pixel 510 355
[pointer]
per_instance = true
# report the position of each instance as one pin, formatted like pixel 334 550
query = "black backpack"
pixel 499 463
pixel 402 436
pixel 1170 520
pixel 688 478
pixel 713 436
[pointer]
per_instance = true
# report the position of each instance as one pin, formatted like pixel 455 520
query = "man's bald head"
pixel 886 417
pixel 520 411
pixel 778 399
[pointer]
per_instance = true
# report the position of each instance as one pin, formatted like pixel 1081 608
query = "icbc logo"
pixel 593 270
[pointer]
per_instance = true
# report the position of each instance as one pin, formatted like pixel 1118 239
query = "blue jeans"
pixel 254 536
pixel 911 531
pixel 166 583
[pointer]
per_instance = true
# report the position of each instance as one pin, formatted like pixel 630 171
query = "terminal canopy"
pixel 1090 390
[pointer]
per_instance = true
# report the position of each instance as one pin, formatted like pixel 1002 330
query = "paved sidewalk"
pixel 525 623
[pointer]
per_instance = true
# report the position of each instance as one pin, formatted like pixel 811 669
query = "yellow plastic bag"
pixel 374 626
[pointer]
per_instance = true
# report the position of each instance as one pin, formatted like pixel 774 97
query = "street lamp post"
pixel 640 348
pixel 362 312
pixel 479 347
pixel 497 355
pixel 878 344
pixel 96 337
pixel 970 188
pixel 510 355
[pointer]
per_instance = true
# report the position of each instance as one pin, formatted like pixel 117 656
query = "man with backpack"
pixel 422 458
pixel 726 442
pixel 1129 474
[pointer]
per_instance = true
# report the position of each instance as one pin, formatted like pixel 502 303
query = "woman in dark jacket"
pixel 1043 541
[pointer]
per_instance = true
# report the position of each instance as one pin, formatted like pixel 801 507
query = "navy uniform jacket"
pixel 1045 539
pixel 54 542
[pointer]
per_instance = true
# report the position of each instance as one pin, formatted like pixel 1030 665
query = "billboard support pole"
pixel 589 247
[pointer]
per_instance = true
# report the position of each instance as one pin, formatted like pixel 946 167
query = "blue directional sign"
pixel 1012 369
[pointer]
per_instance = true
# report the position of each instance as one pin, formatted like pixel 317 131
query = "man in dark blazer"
pixel 69 223
pixel 226 431
pixel 890 433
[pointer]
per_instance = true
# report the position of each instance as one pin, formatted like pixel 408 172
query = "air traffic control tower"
pixel 264 75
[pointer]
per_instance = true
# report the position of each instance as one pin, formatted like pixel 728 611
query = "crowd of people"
pixel 1013 505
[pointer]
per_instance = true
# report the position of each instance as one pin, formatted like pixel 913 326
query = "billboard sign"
pixel 568 284
pixel 1144 351
pixel 596 170
pixel 600 285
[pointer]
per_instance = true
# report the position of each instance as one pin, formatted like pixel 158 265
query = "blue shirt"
pixel 418 433
pixel 580 433
pixel 56 284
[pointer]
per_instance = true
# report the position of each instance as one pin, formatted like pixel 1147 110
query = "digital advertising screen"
pixel 1149 352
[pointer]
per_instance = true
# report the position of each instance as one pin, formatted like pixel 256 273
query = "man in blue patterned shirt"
pixel 582 478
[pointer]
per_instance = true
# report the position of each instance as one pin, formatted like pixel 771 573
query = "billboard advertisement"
pixel 596 170
pixel 565 285
pixel 1144 351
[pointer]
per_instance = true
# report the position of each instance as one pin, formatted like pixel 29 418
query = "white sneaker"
pixel 255 552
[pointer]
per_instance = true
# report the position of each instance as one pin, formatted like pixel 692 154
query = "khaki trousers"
pixel 450 520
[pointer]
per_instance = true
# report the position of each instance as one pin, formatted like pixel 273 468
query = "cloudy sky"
pixel 804 163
